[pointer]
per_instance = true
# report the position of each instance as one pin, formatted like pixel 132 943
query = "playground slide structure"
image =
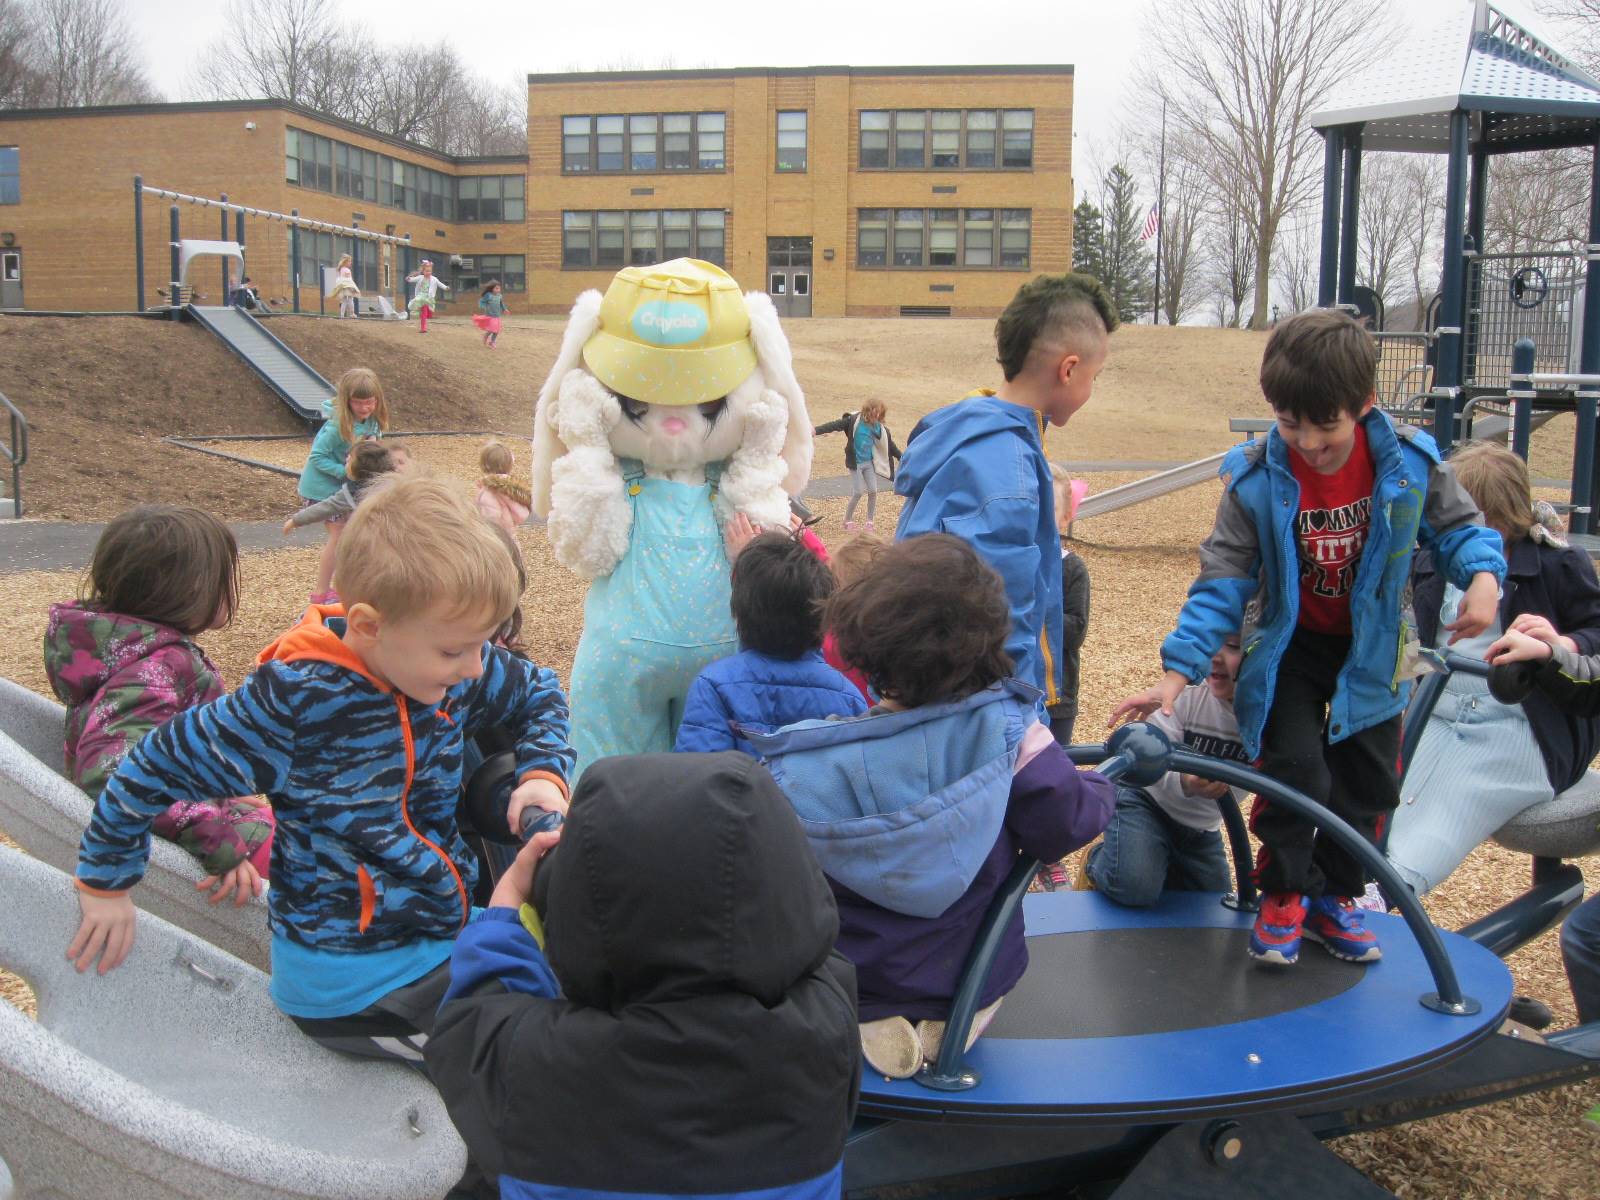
pixel 291 378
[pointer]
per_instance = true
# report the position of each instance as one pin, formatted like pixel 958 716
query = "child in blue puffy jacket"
pixel 779 676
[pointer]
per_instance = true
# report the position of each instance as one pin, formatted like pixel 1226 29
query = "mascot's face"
pixel 676 436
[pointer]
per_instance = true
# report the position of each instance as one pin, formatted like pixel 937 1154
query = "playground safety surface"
pixel 1166 395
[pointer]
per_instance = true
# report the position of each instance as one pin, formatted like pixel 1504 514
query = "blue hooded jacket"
pixel 976 469
pixel 755 690
pixel 1250 574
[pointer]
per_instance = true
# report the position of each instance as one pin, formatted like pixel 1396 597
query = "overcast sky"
pixel 1101 38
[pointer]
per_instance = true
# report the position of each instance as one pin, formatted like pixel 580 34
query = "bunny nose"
pixel 674 425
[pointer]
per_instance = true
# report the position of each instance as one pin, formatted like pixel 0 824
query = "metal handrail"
pixel 1142 753
pixel 16 452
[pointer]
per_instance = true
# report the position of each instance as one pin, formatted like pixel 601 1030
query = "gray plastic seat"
pixel 1567 826
pixel 46 815
pixel 175 1076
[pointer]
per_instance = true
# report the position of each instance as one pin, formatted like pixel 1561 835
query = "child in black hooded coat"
pixel 687 1027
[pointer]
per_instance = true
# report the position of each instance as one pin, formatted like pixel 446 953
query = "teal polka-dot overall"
pixel 653 624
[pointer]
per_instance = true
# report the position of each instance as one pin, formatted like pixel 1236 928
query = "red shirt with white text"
pixel 1330 533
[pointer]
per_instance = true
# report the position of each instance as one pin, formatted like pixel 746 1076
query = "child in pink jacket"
pixel 502 499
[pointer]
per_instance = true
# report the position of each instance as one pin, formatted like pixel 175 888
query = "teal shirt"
pixel 493 303
pixel 866 435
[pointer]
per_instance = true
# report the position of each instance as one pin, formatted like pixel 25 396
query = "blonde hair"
pixel 344 258
pixel 855 556
pixel 495 459
pixel 1497 481
pixel 415 545
pixel 358 383
pixel 874 411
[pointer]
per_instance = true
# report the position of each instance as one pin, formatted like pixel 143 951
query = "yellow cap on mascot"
pixel 675 333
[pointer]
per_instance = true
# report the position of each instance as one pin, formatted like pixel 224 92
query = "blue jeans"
pixel 1580 951
pixel 1145 852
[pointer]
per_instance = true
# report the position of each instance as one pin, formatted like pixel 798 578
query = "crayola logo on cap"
pixel 669 322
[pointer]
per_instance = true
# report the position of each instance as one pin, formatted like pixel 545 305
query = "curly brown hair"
pixel 927 622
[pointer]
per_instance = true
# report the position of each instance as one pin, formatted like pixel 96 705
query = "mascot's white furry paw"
pixel 753 481
pixel 590 517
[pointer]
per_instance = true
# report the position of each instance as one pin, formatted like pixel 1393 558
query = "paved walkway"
pixel 66 545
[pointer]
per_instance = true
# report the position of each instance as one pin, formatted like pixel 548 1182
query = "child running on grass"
pixel 427 294
pixel 353 726
pixel 124 660
pixel 356 413
pixel 1309 560
pixel 918 810
pixel 491 307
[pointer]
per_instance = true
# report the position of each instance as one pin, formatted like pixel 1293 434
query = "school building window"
pixel 511 270
pixel 490 198
pixel 644 143
pixel 313 161
pixel 791 141
pixel 922 238
pixel 10 176
pixel 641 237
pixel 978 139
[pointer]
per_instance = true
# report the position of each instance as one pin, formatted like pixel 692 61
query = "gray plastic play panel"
pixel 46 815
pixel 175 1076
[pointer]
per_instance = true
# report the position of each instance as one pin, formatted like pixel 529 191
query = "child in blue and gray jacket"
pixel 779 676
pixel 352 726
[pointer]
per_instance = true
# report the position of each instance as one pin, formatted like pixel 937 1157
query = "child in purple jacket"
pixel 124 660
pixel 964 780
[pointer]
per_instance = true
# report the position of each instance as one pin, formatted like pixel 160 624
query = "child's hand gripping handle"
pixel 537 820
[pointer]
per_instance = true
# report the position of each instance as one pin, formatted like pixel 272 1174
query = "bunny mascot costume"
pixel 673 406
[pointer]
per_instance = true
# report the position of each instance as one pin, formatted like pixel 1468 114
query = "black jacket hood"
pixel 749 908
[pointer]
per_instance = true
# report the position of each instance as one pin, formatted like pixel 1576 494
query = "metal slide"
pixel 290 377
pixel 1200 471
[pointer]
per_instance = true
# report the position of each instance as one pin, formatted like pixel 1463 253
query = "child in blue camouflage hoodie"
pixel 353 726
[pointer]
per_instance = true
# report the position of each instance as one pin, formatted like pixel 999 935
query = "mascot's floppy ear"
pixel 777 366
pixel 547 443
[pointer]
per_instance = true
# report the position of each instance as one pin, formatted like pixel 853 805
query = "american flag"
pixel 1151 223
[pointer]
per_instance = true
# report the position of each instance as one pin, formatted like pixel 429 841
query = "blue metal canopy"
pixel 1523 93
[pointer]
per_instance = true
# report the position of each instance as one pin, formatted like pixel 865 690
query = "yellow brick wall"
pixel 820 202
pixel 75 223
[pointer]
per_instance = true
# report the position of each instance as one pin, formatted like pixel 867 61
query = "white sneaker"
pixel 1371 899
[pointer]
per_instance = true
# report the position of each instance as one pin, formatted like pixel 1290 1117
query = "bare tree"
pixel 1537 201
pixel 1384 221
pixel 1422 177
pixel 294 50
pixel 1231 236
pixel 1243 77
pixel 20 83
pixel 1581 19
pixel 1183 209
pixel 411 92
pixel 1297 261
pixel 84 53
pixel 486 118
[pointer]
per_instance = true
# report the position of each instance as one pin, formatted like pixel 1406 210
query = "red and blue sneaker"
pixel 1342 929
pixel 1276 936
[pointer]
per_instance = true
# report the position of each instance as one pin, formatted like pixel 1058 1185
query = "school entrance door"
pixel 10 278
pixel 789 275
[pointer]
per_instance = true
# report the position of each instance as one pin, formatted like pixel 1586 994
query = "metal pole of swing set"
pixel 138 237
pixel 173 296
pixel 224 238
pixel 1161 204
pixel 294 257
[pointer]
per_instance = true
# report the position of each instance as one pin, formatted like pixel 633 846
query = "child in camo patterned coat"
pixel 124 661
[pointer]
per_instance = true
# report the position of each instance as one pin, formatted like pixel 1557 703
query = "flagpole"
pixel 1161 204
